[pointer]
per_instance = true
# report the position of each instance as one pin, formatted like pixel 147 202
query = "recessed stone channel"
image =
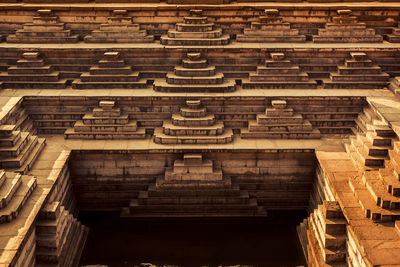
pixel 197 207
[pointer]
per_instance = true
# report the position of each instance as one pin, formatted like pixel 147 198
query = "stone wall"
pixel 110 179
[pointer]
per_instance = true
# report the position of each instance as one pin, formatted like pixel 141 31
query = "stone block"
pixel 277 56
pixel 279 104
pixel 107 105
pixel 30 55
pixel 271 12
pixel 344 12
pixel 192 159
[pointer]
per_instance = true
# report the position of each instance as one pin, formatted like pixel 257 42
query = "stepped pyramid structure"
pixel 278 73
pixel 111 72
pixel 193 187
pixel 15 190
pixel 119 29
pixel 271 28
pixel 376 151
pixel 60 237
pixel 18 150
pixel 45 28
pixel 346 29
pixel 358 72
pixel 195 75
pixel 32 72
pixel 105 122
pixel 193 126
pixel 196 30
pixel 280 122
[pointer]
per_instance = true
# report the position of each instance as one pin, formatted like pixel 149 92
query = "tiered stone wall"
pixel 108 180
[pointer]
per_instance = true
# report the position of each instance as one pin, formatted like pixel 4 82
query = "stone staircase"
pixel 195 75
pixel 18 150
pixel 376 154
pixel 193 187
pixel 15 190
pixel 105 122
pixel 278 73
pixel 60 238
pixel 346 29
pixel 369 149
pixel 358 72
pixel 110 73
pixel 195 30
pixel 326 230
pixel 280 122
pixel 193 125
pixel 32 72
pixel 271 28
pixel 45 28
pixel 119 29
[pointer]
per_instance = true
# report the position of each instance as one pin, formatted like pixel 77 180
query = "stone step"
pixel 255 37
pixel 347 39
pixel 17 162
pixel 193 130
pixel 281 77
pixel 368 204
pixel 195 20
pixel 51 77
pixel 379 191
pixel 11 140
pixel 11 183
pixel 378 151
pixel 216 79
pixel 38 27
pixel 14 151
pixel 118 38
pixel 337 77
pixel 79 126
pixel 194 64
pixel 391 181
pixel 161 138
pixel 278 70
pixel 205 120
pixel 90 119
pixel 264 119
pixel 109 70
pixel 196 34
pixel 206 209
pixel 195 72
pixel 343 70
pixel 187 186
pixel 384 131
pixel 199 199
pixel 71 134
pixel 223 40
pixel 206 27
pixel 47 33
pixel 18 70
pixel 379 141
pixel 247 84
pixel 329 84
pixel 305 126
pixel 141 84
pixel 314 134
pixel 109 78
pixel 331 32
pixel 368 160
pixel 41 40
pixel 194 192
pixel 190 113
pixel 163 86
pixel 16 204
pixel 352 63
pixel 61 84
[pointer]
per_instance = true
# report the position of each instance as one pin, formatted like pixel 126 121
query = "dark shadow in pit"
pixel 193 242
